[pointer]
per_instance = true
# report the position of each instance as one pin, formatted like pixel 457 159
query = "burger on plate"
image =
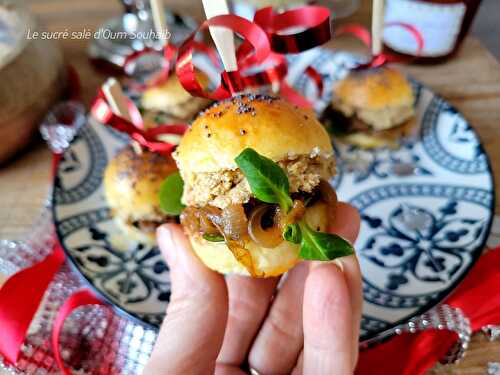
pixel 372 108
pixel 132 182
pixel 253 190
pixel 172 102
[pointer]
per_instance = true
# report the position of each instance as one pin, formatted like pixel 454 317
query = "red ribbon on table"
pixel 413 354
pixel 78 299
pixel 264 45
pixel 147 138
pixel 17 313
pixel 362 34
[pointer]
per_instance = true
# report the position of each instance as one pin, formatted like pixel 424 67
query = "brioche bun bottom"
pixel 133 233
pixel 268 262
pixel 383 138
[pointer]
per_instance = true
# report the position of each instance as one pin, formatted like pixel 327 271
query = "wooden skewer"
pixel 223 38
pixel 377 26
pixel 116 98
pixel 118 102
pixel 159 21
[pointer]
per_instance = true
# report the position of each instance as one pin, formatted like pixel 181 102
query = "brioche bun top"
pixel 271 126
pixel 132 183
pixel 374 89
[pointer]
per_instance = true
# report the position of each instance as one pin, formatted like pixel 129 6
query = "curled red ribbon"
pixel 478 299
pixel 315 21
pixel 169 54
pixel 81 298
pixel 264 45
pixel 361 33
pixel 16 313
pixel 231 82
pixel 148 138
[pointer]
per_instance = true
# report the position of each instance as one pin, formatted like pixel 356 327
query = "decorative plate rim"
pixel 74 266
pixel 376 337
pixel 370 338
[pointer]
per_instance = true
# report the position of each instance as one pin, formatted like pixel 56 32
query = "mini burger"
pixel 252 188
pixel 172 101
pixel 132 182
pixel 372 108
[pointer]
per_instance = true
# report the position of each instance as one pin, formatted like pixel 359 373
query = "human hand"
pixel 309 325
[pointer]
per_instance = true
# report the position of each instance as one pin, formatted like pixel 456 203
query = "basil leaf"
pixel 322 246
pixel 170 194
pixel 292 233
pixel 269 183
pixel 213 237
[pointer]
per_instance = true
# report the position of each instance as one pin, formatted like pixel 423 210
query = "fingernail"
pixel 166 244
pixel 339 264
pixel 335 262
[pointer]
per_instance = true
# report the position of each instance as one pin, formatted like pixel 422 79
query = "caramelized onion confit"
pixel 231 221
pixel 329 196
pixel 269 237
pixel 295 214
pixel 196 220
pixel 264 226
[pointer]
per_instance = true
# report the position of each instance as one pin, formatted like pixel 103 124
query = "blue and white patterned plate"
pixel 426 212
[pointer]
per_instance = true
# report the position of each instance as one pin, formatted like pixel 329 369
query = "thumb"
pixel 192 332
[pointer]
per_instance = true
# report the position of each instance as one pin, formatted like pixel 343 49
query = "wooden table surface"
pixel 471 82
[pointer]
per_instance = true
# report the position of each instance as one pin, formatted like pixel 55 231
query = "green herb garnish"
pixel 267 180
pixel 269 183
pixel 292 233
pixel 213 237
pixel 322 246
pixel 170 194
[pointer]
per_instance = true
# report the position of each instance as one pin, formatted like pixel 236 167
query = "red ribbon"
pixel 81 298
pixel 265 43
pixel 361 33
pixel 16 314
pixel 231 82
pixel 414 354
pixel 147 138
pixel 20 298
pixel 22 293
pixel 315 21
pixel 169 54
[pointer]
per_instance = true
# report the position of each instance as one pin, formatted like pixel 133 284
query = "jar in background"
pixel 339 8
pixel 32 76
pixel 442 23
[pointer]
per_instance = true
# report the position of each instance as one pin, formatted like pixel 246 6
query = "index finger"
pixel 333 304
pixel 346 224
pixel 328 319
